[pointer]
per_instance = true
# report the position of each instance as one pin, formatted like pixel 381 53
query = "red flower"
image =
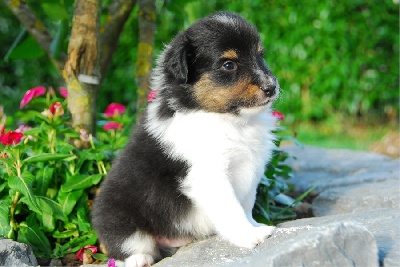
pixel 111 263
pixel 278 115
pixel 113 125
pixel 114 109
pixel 152 95
pixel 63 92
pixel 10 138
pixel 32 93
pixel 56 109
pixel 80 252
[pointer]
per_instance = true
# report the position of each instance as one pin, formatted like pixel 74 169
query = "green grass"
pixel 337 133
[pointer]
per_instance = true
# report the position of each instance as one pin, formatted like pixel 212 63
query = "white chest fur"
pixel 227 156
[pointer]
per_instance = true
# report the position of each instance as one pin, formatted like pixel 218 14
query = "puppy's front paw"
pixel 139 260
pixel 253 236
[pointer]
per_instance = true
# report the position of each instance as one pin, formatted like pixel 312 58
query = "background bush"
pixel 331 57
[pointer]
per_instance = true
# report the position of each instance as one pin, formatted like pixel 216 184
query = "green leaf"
pixel 2 186
pixel 99 256
pixel 81 182
pixel 20 38
pixel 35 237
pixel 23 185
pixel 83 222
pixel 48 221
pixel 282 213
pixel 59 38
pixel 47 157
pixel 27 49
pixel 65 234
pixel 262 211
pixel 68 200
pixel 43 178
pixel 92 155
pixel 5 227
pixel 50 206
pixel 64 148
pixel 284 199
pixel 76 243
pixel 55 10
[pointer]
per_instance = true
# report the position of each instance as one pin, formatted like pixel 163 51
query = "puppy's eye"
pixel 229 65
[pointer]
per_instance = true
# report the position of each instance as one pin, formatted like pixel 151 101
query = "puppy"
pixel 192 167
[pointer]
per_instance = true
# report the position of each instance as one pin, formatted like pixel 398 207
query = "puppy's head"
pixel 216 65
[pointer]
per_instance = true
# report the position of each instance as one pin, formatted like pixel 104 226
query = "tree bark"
pixel 82 72
pixel 147 28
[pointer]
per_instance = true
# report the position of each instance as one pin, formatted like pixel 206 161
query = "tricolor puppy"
pixel 192 167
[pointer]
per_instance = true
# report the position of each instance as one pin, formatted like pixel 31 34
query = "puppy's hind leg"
pixel 142 248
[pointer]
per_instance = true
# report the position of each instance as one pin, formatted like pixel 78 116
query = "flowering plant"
pixel 46 184
pixel 272 205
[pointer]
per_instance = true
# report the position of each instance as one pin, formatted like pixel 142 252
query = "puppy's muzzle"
pixel 270 87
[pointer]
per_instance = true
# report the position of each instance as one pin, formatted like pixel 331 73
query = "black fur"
pixel 140 192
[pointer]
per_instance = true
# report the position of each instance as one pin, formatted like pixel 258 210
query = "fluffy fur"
pixel 192 166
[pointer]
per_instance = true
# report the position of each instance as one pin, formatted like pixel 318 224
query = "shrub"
pixel 47 184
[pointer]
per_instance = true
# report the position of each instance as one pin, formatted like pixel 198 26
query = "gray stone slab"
pixel 14 254
pixel 337 244
pixel 356 198
pixel 384 224
pixel 328 168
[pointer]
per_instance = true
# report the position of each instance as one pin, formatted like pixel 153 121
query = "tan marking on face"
pixel 260 48
pixel 216 98
pixel 230 54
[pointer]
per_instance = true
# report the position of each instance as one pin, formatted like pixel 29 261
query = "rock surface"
pixel 14 254
pixel 329 168
pixel 336 244
pixel 356 198
pixel 382 223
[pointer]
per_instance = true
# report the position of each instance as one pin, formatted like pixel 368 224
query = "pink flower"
pixel 32 93
pixel 152 95
pixel 111 263
pixel 10 138
pixel 113 125
pixel 23 128
pixel 280 116
pixel 63 92
pixel 114 109
pixel 56 109
pixel 80 252
pixel 84 135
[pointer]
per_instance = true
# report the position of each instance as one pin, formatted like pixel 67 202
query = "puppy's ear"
pixel 176 60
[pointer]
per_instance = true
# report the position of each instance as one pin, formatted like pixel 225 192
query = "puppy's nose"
pixel 269 89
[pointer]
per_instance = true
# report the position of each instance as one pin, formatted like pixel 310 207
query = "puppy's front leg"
pixel 212 193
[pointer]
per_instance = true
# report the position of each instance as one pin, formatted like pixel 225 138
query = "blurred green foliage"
pixel 331 57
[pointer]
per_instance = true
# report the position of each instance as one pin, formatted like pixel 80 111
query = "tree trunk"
pixel 147 28
pixel 82 72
